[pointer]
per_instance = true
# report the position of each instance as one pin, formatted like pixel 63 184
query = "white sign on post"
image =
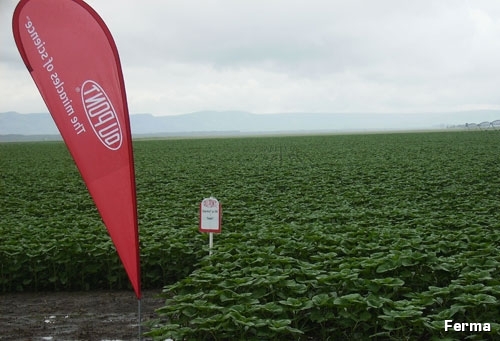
pixel 210 219
pixel 210 216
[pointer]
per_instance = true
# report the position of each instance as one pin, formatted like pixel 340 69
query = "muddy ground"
pixel 89 316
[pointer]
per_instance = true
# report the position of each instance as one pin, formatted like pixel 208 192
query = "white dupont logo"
pixel 101 114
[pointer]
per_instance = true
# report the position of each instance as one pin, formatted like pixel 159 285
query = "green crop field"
pixel 366 237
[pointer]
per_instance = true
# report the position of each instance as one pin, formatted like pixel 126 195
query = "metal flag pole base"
pixel 139 317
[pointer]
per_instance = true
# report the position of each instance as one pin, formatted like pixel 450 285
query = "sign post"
pixel 210 219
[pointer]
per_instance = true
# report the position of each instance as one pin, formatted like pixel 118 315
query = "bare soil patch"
pixel 89 316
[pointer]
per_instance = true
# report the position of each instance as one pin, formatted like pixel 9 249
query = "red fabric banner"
pixel 73 60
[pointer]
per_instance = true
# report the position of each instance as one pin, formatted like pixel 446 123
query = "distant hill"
pixel 206 121
pixel 17 125
pixel 27 124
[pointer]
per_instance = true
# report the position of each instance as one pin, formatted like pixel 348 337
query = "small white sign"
pixel 210 215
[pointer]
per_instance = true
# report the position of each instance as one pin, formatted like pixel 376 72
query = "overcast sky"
pixel 270 56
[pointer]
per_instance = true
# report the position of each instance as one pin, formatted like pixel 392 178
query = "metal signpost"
pixel 210 219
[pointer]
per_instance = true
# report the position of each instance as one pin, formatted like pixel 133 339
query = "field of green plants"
pixel 366 237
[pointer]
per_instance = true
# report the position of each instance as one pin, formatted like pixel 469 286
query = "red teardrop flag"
pixel 73 60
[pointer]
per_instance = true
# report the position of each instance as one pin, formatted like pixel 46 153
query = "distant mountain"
pixel 223 122
pixel 27 124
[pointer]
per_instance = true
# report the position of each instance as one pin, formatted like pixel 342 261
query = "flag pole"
pixel 139 317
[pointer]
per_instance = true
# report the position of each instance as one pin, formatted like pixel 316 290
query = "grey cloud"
pixel 302 55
